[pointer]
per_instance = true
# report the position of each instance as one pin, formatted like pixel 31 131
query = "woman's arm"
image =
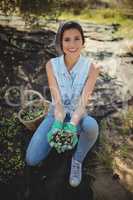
pixel 54 89
pixel 86 93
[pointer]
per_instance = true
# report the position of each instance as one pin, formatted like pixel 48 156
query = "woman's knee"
pixel 29 159
pixel 35 155
pixel 90 125
pixel 38 147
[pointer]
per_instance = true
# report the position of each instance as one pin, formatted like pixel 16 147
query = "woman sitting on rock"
pixel 71 78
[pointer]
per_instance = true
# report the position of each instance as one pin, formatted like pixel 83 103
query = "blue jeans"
pixel 39 148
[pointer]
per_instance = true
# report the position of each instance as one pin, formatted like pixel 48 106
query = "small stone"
pixel 115 176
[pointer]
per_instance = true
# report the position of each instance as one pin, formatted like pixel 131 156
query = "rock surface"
pixel 22 58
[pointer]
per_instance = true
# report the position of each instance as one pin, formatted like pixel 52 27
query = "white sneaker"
pixel 76 173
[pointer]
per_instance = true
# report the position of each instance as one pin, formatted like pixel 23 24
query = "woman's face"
pixel 72 42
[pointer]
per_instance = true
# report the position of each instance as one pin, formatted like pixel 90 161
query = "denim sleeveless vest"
pixel 70 83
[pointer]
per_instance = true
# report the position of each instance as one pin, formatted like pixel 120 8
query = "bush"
pixel 11 153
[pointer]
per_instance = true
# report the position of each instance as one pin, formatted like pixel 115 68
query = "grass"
pixel 104 154
pixel 124 151
pixel 98 16
pixel 115 145
pixel 104 16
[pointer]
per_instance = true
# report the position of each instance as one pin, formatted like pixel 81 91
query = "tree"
pixel 47 8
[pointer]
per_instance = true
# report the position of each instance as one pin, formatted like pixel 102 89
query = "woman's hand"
pixel 66 139
pixel 71 129
pixel 56 127
pixel 62 137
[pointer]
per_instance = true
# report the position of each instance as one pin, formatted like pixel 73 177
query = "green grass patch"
pixel 104 155
pixel 104 16
pixel 126 127
pixel 115 144
pixel 124 151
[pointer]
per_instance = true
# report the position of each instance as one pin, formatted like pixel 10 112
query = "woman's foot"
pixel 76 173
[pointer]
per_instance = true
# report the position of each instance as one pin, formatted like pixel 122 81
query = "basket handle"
pixel 29 93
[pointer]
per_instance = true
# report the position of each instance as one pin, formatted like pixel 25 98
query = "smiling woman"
pixel 71 79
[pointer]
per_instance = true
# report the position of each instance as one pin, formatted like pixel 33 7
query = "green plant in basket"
pixel 34 110
pixel 31 113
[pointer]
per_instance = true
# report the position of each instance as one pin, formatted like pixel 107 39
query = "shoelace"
pixel 76 168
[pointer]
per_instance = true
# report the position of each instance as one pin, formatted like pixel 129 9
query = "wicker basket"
pixel 28 97
pixel 33 123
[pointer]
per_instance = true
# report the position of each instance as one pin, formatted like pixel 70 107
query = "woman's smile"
pixel 72 50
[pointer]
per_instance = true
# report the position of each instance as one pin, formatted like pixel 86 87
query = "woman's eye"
pixel 67 39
